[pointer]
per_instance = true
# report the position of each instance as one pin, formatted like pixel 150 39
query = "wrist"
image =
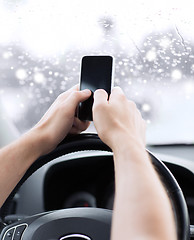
pixel 127 142
pixel 36 142
pixel 44 139
pixel 128 154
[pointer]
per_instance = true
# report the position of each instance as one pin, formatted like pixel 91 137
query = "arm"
pixel 141 209
pixel 59 120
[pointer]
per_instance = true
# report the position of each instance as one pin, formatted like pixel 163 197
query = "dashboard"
pixel 87 182
pixel 86 179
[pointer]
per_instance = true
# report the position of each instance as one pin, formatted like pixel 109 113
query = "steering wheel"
pixel 84 223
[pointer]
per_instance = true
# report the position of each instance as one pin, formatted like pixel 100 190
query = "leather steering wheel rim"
pixel 86 142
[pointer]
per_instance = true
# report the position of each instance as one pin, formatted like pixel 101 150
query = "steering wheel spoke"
pixel 80 223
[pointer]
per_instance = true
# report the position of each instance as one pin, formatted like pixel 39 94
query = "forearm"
pixel 15 159
pixel 142 209
pixel 57 122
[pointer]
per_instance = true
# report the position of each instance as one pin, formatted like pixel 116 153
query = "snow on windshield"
pixel 42 43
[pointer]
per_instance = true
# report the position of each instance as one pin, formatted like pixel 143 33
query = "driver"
pixel 142 209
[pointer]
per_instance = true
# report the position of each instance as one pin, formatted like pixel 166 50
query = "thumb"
pixel 100 97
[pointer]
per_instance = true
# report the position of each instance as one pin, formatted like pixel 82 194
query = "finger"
pixel 74 88
pixel 100 97
pixel 65 94
pixel 74 131
pixel 79 126
pixel 132 104
pixel 78 96
pixel 61 98
pixel 116 93
pixel 116 89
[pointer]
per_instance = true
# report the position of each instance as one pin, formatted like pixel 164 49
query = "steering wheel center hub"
pixel 75 237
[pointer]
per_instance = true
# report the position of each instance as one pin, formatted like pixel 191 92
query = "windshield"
pixel 42 43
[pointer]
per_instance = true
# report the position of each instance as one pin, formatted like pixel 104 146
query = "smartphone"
pixel 96 73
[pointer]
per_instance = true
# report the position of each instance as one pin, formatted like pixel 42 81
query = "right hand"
pixel 117 120
pixel 60 119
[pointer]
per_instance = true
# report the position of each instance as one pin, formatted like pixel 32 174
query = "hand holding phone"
pixel 96 73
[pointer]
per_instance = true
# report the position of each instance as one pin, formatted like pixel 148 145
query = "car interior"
pixel 69 193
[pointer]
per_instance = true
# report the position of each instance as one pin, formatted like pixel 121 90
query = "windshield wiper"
pixel 171 145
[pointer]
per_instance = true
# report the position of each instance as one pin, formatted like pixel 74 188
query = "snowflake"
pixel 148 121
pixel 39 78
pixel 144 81
pixel 151 55
pixel 160 70
pixel 146 107
pixel 165 42
pixel 21 74
pixel 122 73
pixel 7 55
pixel 176 75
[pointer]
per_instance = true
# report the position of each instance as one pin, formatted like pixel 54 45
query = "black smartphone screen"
pixel 96 73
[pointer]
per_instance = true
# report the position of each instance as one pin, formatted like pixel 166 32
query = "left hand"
pixel 60 119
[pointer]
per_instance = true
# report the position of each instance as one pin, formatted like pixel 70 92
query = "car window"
pixel 42 43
